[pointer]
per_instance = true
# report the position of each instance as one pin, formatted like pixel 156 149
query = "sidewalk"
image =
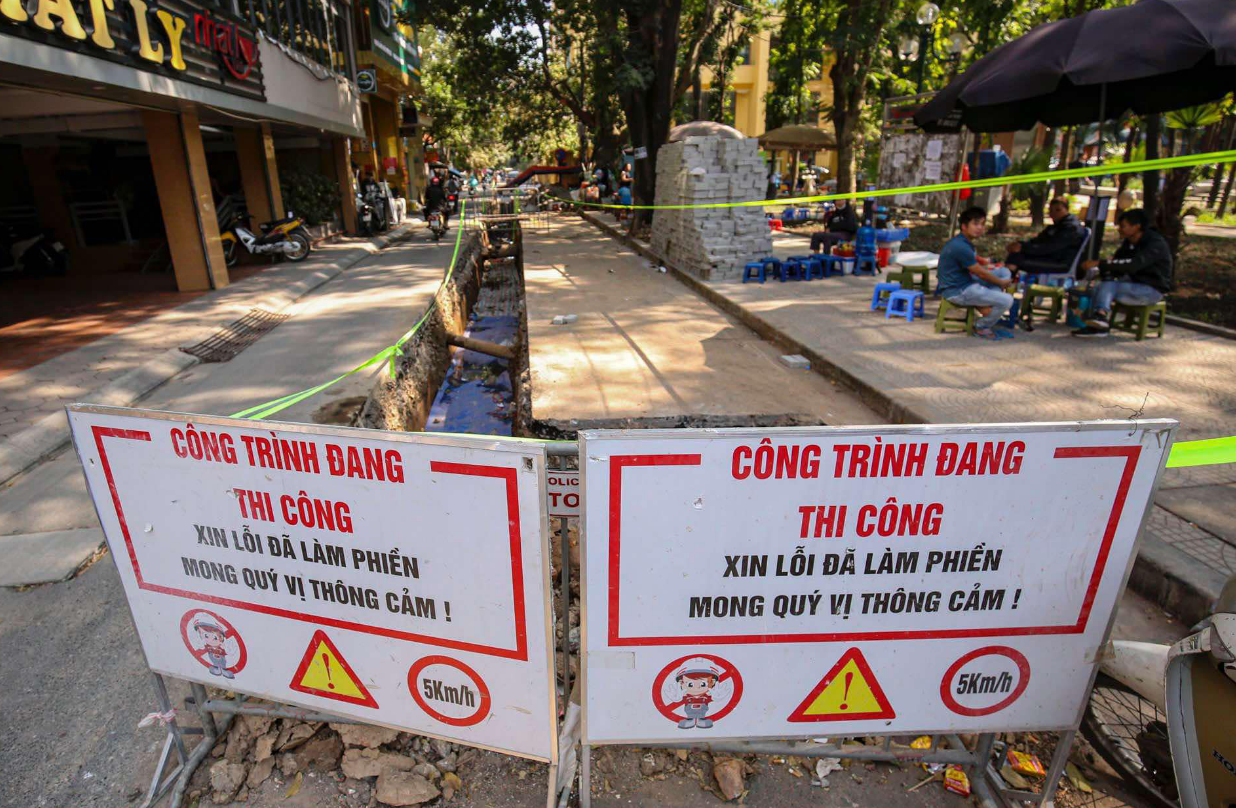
pixel 122 366
pixel 645 347
pixel 915 375
pixel 49 526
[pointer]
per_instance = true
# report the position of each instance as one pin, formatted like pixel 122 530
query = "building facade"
pixel 125 125
pixel 748 84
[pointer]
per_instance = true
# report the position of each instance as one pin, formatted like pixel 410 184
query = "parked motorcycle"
pixel 1164 717
pixel 285 237
pixel 371 212
pixel 34 253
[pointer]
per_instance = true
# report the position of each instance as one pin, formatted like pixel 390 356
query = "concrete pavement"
pixel 123 366
pixel 644 346
pixel 47 513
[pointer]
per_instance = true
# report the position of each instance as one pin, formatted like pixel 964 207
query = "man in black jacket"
pixel 842 226
pixel 1052 250
pixel 1139 273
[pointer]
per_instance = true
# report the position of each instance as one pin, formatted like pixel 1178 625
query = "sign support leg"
pixel 565 576
pixel 1064 744
pixel 585 776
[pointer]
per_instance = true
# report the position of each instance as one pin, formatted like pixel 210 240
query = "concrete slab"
pixel 1211 507
pixel 645 346
pixel 40 558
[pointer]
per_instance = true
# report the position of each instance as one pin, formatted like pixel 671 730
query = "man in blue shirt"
pixel 967 280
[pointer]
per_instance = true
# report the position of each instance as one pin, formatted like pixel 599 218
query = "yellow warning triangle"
pixel 848 692
pixel 324 672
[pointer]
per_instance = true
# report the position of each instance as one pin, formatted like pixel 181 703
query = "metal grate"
pixel 234 338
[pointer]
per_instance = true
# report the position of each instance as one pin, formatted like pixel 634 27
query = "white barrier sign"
pixel 564 493
pixel 398 579
pixel 791 582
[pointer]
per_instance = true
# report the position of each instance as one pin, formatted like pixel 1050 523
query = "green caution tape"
pixel 1210 452
pixel 269 408
pixel 1186 161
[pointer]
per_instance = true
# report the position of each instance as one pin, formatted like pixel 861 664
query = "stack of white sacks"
pixel 712 243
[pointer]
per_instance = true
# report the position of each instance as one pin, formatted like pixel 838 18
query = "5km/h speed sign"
pixel 783 582
pixel 398 579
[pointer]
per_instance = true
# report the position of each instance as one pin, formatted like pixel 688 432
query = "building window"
pixel 744 55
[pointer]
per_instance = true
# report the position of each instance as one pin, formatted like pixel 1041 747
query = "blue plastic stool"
pixel 833 264
pixel 815 267
pixel 879 298
pixel 755 269
pixel 771 265
pixel 905 303
pixel 795 267
pixel 869 261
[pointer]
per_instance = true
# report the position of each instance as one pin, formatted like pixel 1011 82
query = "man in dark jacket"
pixel 842 226
pixel 1054 249
pixel 1139 273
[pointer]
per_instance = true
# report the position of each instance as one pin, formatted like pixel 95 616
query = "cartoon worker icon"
pixel 213 638
pixel 696 682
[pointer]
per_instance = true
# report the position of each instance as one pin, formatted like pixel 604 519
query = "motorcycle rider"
pixel 435 198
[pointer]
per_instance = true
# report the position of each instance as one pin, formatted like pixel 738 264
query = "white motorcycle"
pixel 1164 717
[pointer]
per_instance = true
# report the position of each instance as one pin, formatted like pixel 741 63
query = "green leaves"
pixel 1194 117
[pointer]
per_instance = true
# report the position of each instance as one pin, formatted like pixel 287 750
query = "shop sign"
pixel 850 581
pixel 366 81
pixel 393 43
pixel 182 39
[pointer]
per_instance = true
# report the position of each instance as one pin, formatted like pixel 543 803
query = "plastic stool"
pixel 832 264
pixel 775 224
pixel 905 302
pixel 879 298
pixel 866 260
pixel 815 266
pixel 755 269
pixel 792 266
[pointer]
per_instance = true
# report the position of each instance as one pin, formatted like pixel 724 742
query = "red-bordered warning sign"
pixel 981 685
pixel 848 692
pixel 214 642
pixel 457 694
pixel 324 672
pixel 705 688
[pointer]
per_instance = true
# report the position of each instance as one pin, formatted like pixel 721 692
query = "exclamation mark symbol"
pixel 447 605
pixel 845 694
pixel 1016 597
pixel 326 664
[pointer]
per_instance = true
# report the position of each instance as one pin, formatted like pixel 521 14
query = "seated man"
pixel 967 280
pixel 841 224
pixel 1139 272
pixel 1054 249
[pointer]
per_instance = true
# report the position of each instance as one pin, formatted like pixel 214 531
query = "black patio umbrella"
pixel 1153 56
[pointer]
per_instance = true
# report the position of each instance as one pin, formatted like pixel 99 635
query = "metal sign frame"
pixel 989 786
pixel 176 781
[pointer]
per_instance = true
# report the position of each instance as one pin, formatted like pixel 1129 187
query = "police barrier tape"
pixel 1185 161
pixel 1189 453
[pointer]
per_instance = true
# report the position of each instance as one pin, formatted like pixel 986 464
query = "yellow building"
pixel 746 88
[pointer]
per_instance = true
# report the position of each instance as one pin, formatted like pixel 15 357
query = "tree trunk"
pixel 1227 191
pixel 1038 196
pixel 1150 179
pixel 1171 202
pixel 697 88
pixel 1066 148
pixel 1217 180
pixel 652 31
pixel 1129 144
pixel 1000 222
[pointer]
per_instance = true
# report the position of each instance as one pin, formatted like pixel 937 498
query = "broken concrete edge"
pixel 50 433
pixel 1205 328
pixel 1174 581
pixel 1163 574
pixel 49 557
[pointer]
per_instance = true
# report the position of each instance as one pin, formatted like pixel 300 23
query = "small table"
pixel 917 265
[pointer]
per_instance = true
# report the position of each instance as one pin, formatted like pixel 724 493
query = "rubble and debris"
pixel 226 778
pixel 404 788
pixel 730 774
pixel 370 737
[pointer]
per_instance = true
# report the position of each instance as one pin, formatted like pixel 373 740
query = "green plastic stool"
pixel 944 323
pixel 1036 292
pixel 1138 319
